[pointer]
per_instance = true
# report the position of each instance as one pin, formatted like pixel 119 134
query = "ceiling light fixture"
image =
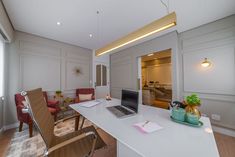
pixel 58 23
pixel 90 35
pixel 205 63
pixel 151 54
pixel 152 28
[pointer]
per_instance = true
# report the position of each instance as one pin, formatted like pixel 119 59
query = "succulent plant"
pixel 193 100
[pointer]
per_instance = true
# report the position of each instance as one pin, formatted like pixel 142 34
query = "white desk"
pixel 174 140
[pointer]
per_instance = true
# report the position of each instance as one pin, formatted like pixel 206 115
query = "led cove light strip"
pixel 172 19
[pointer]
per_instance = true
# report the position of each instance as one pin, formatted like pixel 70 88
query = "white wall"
pixel 124 65
pixel 160 73
pixel 38 62
pixel 216 84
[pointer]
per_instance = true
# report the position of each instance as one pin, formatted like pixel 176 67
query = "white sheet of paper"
pixel 149 127
pixel 89 104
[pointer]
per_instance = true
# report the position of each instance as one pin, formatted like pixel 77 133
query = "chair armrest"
pixel 22 109
pixel 76 100
pixel 79 137
pixel 67 118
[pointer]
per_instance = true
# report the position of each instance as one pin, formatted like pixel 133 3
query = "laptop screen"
pixel 130 99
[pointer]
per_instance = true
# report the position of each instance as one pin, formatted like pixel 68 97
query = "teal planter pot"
pixel 178 114
pixel 192 118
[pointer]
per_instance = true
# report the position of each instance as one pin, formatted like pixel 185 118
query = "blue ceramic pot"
pixel 178 114
pixel 192 118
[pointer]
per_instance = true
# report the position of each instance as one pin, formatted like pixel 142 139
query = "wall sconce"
pixel 206 63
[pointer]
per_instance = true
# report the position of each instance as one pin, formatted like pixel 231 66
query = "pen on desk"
pixel 147 121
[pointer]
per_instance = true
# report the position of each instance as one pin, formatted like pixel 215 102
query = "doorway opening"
pixel 101 80
pixel 156 78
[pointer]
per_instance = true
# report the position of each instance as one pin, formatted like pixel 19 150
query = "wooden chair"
pixel 80 143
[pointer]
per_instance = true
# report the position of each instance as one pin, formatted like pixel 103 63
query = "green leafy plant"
pixel 193 100
pixel 58 92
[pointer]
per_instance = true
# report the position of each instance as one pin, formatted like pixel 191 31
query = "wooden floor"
pixel 5 139
pixel 226 144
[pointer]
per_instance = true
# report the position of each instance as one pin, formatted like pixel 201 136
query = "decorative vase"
pixel 178 114
pixel 193 110
pixel 192 118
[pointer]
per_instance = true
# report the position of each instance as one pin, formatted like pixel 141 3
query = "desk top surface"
pixel 173 140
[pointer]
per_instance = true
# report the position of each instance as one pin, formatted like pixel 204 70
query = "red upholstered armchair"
pixel 51 103
pixel 84 91
pixel 25 117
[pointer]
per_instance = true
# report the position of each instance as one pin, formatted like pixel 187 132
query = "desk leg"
pixel 124 151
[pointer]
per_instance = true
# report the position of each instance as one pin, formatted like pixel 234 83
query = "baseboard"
pixel 11 126
pixel 224 131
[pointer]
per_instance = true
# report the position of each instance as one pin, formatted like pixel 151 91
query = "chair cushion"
pixel 85 97
pixel 52 110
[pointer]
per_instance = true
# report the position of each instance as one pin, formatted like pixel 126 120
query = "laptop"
pixel 129 104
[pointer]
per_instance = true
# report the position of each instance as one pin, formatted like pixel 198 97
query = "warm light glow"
pixel 131 41
pixel 157 26
pixel 151 54
pixel 58 23
pixel 205 63
pixel 208 130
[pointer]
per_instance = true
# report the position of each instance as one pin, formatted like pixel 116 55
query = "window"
pixel 1 67
pixel 101 75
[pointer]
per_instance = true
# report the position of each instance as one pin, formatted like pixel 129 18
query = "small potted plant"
pixel 192 112
pixel 58 95
pixel 58 92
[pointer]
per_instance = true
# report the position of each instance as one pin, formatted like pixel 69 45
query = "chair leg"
pixel 31 130
pixel 21 126
pixel 55 117
pixel 83 120
pixel 76 123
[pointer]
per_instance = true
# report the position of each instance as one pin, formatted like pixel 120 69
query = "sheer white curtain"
pixel 1 81
pixel 1 67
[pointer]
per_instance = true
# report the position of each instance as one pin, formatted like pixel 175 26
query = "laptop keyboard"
pixel 123 110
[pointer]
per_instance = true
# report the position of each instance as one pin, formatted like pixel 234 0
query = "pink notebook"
pixel 147 126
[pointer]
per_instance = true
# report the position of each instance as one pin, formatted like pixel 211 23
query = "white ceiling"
pixel 116 19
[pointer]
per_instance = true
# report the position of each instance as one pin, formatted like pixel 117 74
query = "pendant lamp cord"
pixel 166 5
pixel 98 28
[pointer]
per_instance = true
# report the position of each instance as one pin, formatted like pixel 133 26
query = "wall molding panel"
pixel 73 80
pixel 40 71
pixel 56 60
pixel 212 80
pixel 38 62
pixel 214 85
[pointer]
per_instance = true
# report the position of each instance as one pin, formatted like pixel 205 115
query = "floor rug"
pixel 23 146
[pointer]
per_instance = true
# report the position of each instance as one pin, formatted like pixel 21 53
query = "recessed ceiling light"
pixel 150 54
pixel 58 23
pixel 90 35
